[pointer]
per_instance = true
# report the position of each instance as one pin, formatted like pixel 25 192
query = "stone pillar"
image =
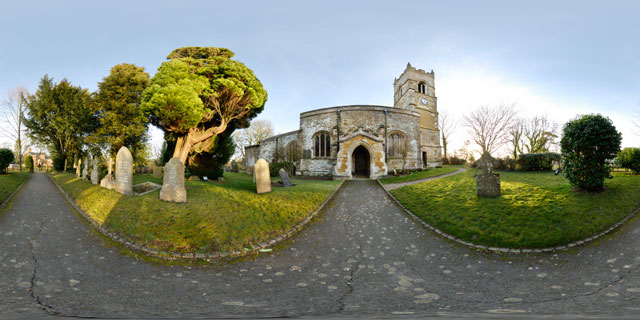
pixel 173 189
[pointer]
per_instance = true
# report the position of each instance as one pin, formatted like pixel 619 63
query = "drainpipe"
pixel 386 146
pixel 338 140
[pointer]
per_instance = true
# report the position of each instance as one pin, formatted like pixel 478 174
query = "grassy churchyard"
pixel 218 216
pixel 536 210
pixel 418 175
pixel 9 182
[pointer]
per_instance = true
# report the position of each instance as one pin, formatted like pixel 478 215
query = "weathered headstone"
pixel 85 169
pixel 173 189
pixel 79 168
pixel 108 181
pixel 284 176
pixel 124 171
pixel 263 179
pixel 253 172
pixel 94 172
pixel 157 172
pixel 487 182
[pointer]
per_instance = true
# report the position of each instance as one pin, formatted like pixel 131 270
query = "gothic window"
pixel 422 87
pixel 322 145
pixel 292 151
pixel 397 145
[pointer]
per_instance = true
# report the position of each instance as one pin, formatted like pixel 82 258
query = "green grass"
pixel 420 175
pixel 536 210
pixel 10 182
pixel 218 216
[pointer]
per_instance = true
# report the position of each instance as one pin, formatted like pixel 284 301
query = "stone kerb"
pixel 173 189
pixel 124 172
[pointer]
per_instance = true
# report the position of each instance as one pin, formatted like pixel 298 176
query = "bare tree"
pixel 636 122
pixel 258 130
pixel 447 125
pixel 489 126
pixel 13 109
pixel 540 134
pixel 516 136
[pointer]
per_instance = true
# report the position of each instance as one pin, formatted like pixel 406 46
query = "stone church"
pixel 363 140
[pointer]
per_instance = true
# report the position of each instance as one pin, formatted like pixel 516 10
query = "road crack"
pixel 32 242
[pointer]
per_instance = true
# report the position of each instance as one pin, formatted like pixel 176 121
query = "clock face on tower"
pixel 424 101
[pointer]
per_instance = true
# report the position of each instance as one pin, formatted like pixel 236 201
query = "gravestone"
pixel 108 181
pixel 284 176
pixel 253 173
pixel 263 179
pixel 85 169
pixel 173 189
pixel 78 168
pixel 124 171
pixel 157 172
pixel 94 172
pixel 487 182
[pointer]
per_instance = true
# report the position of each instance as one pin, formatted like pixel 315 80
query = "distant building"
pixel 39 158
pixel 363 140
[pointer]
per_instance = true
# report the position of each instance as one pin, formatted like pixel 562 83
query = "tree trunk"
pixel 65 164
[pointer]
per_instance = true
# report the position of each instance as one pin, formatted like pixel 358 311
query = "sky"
pixel 554 58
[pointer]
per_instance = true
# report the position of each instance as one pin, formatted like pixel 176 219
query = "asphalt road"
pixel 362 257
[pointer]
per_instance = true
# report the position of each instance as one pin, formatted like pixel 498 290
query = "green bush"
pixel 58 163
pixel 455 161
pixel 28 163
pixel 587 143
pixel 274 168
pixel 629 158
pixel 6 157
pixel 538 161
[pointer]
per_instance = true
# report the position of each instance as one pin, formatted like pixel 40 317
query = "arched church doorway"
pixel 360 162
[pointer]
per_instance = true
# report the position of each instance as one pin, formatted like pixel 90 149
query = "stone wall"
pixel 251 156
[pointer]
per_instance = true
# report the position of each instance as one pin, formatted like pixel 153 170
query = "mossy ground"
pixel 9 182
pixel 536 210
pixel 218 216
pixel 420 175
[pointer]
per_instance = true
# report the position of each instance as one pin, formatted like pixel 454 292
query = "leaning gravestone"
pixel 173 189
pixel 107 181
pixel 157 172
pixel 85 169
pixel 487 182
pixel 284 176
pixel 94 172
pixel 124 171
pixel 79 168
pixel 263 179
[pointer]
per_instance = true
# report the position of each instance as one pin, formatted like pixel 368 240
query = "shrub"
pixel 274 168
pixel 538 161
pixel 28 163
pixel 456 161
pixel 6 157
pixel 587 142
pixel 58 163
pixel 629 158
pixel 211 164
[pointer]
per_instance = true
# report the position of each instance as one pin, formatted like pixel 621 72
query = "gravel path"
pixel 362 257
pixel 392 186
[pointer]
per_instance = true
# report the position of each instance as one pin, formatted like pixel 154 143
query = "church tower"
pixel 415 90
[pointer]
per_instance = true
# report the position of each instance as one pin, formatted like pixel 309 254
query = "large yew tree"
pixel 117 106
pixel 59 115
pixel 199 94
